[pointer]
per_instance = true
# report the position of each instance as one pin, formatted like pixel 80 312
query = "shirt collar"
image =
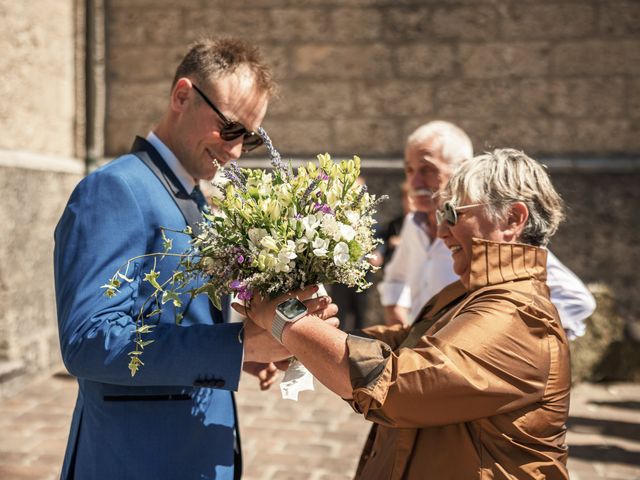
pixel 186 180
pixel 496 262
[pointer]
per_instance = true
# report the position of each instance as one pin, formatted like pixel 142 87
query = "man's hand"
pixel 396 315
pixel 266 372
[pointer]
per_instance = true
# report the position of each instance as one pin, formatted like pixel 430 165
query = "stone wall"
pixel 39 137
pixel 555 77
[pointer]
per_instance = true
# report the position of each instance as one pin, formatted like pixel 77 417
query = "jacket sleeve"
pixel 492 357
pixel 570 296
pixel 101 228
pixel 395 288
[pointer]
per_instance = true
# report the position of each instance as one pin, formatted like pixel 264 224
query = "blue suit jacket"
pixel 164 423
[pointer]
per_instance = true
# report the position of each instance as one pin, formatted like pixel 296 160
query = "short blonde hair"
pixel 505 176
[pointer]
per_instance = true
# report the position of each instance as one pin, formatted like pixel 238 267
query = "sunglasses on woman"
pixel 449 212
pixel 232 130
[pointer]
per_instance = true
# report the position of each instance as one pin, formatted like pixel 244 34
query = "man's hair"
pixel 505 176
pixel 455 144
pixel 212 58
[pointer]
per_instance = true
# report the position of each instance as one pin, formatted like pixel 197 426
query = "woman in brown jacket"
pixel 478 386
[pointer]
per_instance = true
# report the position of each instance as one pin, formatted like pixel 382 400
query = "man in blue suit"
pixel 176 418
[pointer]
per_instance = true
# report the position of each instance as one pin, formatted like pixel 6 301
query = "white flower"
pixel 341 254
pixel 310 223
pixel 347 232
pixel 257 234
pixel 352 216
pixel 330 227
pixel 320 246
pixel 269 243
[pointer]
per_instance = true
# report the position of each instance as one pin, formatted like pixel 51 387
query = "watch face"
pixel 292 308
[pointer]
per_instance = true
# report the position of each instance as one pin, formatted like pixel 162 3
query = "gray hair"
pixel 455 144
pixel 505 176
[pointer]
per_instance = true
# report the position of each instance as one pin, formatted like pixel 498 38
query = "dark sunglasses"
pixel 232 130
pixel 449 212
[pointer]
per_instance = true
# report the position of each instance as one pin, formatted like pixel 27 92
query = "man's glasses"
pixel 449 212
pixel 232 130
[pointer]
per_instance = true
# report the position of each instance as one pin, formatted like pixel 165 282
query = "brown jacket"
pixel 478 387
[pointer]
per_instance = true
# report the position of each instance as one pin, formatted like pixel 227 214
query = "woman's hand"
pixel 262 311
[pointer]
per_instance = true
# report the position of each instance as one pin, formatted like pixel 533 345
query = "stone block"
pixel 144 63
pixel 515 132
pixel 466 22
pixel 300 24
pixel 393 98
pixel 604 329
pixel 407 24
pixel 120 134
pixel 633 104
pixel 312 99
pixel 620 18
pixel 596 57
pixel 138 101
pixel 425 60
pixel 365 137
pixel 591 136
pixel 252 23
pixel 496 60
pixel 37 111
pixel 494 100
pixel 143 26
pixel 588 97
pixel 537 20
pixel 339 62
pixel 306 138
pixel 356 24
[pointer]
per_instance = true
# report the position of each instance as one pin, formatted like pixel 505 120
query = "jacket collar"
pixel 496 262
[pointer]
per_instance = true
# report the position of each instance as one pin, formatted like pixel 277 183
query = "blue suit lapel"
pixel 185 203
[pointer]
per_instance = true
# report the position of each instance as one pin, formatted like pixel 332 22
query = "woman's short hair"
pixel 455 143
pixel 211 58
pixel 505 176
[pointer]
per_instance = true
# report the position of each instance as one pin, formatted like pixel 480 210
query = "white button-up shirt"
pixel 420 268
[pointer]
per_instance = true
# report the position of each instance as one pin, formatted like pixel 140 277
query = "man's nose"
pixel 234 148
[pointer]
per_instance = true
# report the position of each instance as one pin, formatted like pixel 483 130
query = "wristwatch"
pixel 289 311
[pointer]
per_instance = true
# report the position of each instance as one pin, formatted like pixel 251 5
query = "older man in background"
pixel 421 264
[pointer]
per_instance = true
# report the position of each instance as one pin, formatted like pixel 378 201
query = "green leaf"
pixel 152 278
pixel 144 343
pixel 144 328
pixel 125 278
pixel 173 297
pixel 157 311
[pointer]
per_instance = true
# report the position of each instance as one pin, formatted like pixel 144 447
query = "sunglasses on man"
pixel 232 130
pixel 449 212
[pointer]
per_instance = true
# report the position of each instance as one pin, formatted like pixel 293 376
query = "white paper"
pixel 296 379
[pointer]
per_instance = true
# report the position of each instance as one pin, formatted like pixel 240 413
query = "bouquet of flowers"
pixel 273 232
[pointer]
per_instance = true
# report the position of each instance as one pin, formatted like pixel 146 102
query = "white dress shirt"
pixel 420 268
pixel 187 181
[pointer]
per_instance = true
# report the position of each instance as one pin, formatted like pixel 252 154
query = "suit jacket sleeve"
pixel 102 227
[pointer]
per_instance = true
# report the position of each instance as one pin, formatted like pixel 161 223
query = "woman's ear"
pixel 516 220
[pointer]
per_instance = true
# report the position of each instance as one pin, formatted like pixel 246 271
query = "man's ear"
pixel 180 94
pixel 516 219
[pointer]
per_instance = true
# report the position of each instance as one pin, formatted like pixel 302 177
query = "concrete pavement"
pixel 318 438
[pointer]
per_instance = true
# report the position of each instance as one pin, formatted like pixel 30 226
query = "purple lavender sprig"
pixel 235 176
pixel 276 159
